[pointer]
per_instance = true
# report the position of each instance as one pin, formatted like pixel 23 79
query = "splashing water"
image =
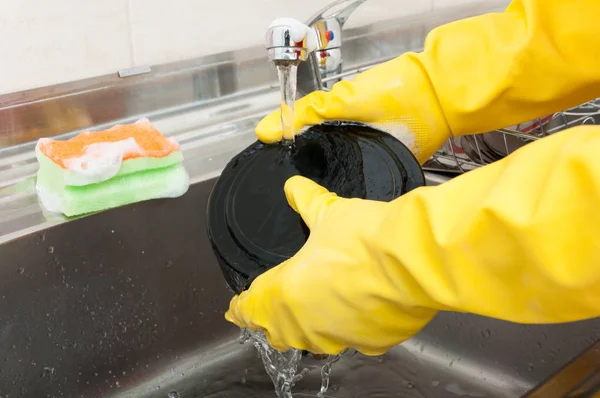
pixel 282 367
pixel 326 372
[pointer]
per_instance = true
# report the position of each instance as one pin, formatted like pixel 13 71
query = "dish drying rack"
pixel 461 154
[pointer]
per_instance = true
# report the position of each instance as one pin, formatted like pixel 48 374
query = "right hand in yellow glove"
pixel 516 240
pixel 336 292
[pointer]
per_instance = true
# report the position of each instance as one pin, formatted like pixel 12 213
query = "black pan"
pixel 250 224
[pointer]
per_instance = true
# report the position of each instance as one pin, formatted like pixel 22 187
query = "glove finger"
pixel 308 198
pixel 308 111
pixel 268 130
pixel 245 310
pixel 235 314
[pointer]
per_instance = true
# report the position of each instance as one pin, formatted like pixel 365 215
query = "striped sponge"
pixel 101 170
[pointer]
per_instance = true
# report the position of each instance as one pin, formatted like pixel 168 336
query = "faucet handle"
pixel 341 15
pixel 288 39
pixel 328 24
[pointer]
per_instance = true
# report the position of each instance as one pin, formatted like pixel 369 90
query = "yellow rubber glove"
pixel 474 75
pixel 333 293
pixel 517 240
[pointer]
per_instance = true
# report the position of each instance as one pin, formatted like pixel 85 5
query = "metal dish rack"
pixel 461 154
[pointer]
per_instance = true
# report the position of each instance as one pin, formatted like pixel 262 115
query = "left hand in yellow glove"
pixel 332 295
pixel 474 75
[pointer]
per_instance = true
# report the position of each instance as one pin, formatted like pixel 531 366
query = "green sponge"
pixel 64 186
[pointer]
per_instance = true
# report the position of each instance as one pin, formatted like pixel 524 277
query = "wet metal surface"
pixel 130 303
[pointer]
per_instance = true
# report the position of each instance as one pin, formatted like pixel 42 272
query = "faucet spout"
pixel 289 40
pixel 319 42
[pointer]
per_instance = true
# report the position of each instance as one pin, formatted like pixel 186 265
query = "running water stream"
pixel 287 72
pixel 282 367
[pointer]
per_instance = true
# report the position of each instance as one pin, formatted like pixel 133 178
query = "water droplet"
pixel 50 249
pixel 486 334
pixel 21 270
pixel 410 386
pixel 173 394
pixel 48 371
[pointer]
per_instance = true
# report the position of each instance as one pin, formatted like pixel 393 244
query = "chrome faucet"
pixel 289 40
pixel 318 43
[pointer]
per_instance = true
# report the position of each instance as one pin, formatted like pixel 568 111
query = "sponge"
pixel 101 170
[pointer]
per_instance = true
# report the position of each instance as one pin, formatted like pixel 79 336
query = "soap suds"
pixel 100 162
pixel 51 202
pixel 400 132
pixel 177 186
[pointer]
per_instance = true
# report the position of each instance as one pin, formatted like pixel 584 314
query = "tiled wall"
pixel 48 42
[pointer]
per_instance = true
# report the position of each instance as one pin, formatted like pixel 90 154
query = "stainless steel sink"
pixel 130 303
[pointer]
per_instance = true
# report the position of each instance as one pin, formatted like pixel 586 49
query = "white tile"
pixel 50 42
pixel 437 4
pixel 450 3
pixel 380 10
pixel 192 28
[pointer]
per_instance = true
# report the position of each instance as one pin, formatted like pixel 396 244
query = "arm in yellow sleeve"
pixel 517 240
pixel 474 75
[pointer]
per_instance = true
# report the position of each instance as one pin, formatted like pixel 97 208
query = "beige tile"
pixel 49 42
pixel 192 28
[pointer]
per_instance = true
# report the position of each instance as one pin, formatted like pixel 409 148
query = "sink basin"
pixel 130 303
